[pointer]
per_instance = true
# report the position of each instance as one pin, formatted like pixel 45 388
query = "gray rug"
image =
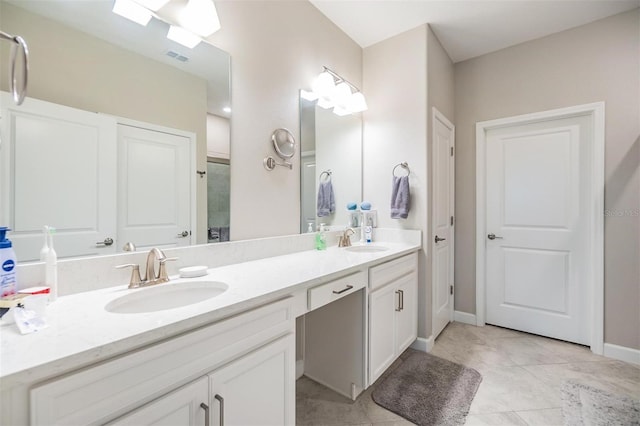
pixel 428 390
pixel 584 405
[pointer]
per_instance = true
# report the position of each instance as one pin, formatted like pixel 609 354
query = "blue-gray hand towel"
pixel 400 197
pixel 326 200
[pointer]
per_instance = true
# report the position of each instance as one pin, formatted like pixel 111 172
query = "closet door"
pixel 57 168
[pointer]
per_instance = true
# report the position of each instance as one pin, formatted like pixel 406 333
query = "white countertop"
pixel 82 332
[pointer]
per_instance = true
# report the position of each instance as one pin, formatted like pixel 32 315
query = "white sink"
pixel 160 297
pixel 366 249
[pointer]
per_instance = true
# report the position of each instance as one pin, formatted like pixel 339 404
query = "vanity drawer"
pixel 334 290
pixel 390 271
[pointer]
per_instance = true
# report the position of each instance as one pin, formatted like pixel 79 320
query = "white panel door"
pixel 58 168
pixel 537 229
pixel 154 188
pixel 442 222
pixel 180 407
pixel 257 389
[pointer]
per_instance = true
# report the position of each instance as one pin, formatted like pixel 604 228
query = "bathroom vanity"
pixel 228 359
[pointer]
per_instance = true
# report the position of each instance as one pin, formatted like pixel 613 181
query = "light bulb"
pixel 200 17
pixel 182 36
pixel 324 85
pixel 132 11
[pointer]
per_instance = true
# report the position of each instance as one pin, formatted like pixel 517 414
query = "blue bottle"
pixel 8 284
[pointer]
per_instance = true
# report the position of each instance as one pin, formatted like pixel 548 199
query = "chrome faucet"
pixel 151 277
pixel 345 239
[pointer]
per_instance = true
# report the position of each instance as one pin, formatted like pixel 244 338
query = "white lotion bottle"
pixel 45 246
pixel 51 267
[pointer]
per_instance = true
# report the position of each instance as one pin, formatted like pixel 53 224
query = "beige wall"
pixel 277 48
pixel 440 91
pixel 395 130
pixel 595 62
pixel 94 81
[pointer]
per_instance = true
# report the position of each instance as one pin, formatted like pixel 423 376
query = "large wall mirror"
pixel 85 57
pixel 331 150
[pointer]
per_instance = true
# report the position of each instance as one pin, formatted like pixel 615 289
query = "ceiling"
pixel 466 28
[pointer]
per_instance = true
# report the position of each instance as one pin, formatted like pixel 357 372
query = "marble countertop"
pixel 81 332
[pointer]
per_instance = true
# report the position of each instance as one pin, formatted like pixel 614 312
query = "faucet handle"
pixel 162 273
pixel 135 280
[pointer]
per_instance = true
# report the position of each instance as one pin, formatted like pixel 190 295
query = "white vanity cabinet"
pixel 393 311
pixel 186 406
pixel 256 389
pixel 247 359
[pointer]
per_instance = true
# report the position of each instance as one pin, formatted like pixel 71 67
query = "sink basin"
pixel 174 294
pixel 366 249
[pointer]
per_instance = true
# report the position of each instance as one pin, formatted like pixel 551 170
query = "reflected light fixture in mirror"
pixel 334 91
pixel 188 24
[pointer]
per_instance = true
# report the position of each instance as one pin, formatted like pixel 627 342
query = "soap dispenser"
pixel 321 238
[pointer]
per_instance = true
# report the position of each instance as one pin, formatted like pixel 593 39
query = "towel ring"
pixel 326 172
pixel 404 165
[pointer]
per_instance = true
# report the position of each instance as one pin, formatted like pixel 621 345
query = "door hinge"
pixel 450 289
pixel 451 220
pixel 452 151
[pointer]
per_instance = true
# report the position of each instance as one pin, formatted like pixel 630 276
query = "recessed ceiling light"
pixel 132 11
pixel 182 36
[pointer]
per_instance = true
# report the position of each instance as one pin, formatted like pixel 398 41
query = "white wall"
pixel 395 130
pixel 599 61
pixel 218 136
pixel 277 48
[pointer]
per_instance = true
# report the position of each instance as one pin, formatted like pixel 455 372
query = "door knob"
pixel 183 234
pixel 438 239
pixel 107 242
pixel 492 236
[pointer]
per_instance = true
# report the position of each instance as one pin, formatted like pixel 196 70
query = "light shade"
pixel 341 95
pixel 357 103
pixel 154 5
pixel 310 96
pixel 324 85
pixel 132 11
pixel 182 36
pixel 200 17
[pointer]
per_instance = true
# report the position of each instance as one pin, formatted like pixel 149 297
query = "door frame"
pixel 595 283
pixel 437 115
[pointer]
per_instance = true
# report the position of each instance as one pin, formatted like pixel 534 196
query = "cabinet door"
pixel 257 389
pixel 407 316
pixel 382 350
pixel 180 407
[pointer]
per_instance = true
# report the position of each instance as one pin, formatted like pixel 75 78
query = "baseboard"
pixel 299 368
pixel 464 318
pixel 422 344
pixel 622 353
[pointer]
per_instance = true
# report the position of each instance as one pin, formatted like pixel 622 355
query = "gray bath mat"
pixel 428 390
pixel 586 405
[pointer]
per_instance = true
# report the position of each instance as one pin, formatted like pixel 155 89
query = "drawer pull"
pixel 347 288
pixel 205 407
pixel 221 400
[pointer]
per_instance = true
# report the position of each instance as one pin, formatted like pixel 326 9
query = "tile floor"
pixel 521 381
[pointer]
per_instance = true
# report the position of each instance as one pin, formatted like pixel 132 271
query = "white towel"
pixel 400 197
pixel 326 200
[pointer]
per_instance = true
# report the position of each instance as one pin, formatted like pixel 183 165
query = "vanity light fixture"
pixel 154 5
pixel 334 91
pixel 132 11
pixel 200 17
pixel 182 36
